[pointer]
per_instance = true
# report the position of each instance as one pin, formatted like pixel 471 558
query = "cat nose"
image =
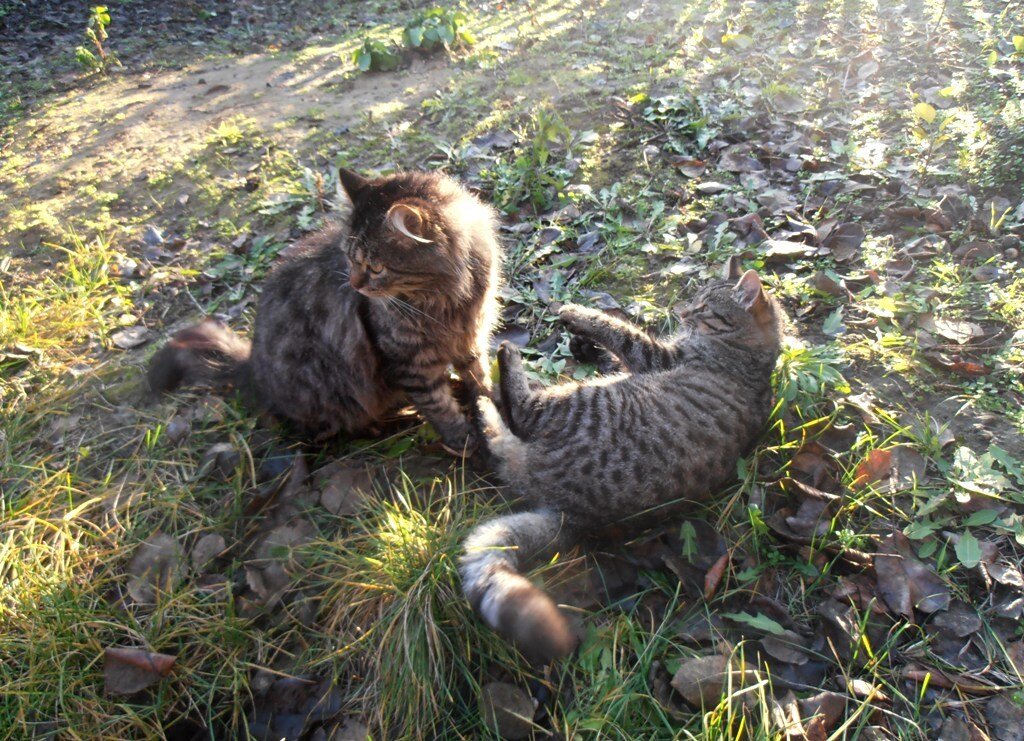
pixel 357 280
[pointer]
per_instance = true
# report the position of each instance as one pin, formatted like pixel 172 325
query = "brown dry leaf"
pixel 826 706
pixel 783 250
pixel 129 670
pixel 815 465
pixel 787 646
pixel 958 331
pixel 958 620
pixel 1005 573
pixel 1015 652
pixel 844 241
pixel 1005 717
pixel 285 707
pixel 219 462
pixel 904 582
pixel 714 576
pixel 956 364
pixel 908 468
pixel 737 158
pixel 206 549
pixel 957 729
pixel 155 568
pixel 822 282
pixel 691 168
pixel 345 487
pixel 947 680
pixel 701 680
pixel 132 337
pixel 875 467
pixel 507 709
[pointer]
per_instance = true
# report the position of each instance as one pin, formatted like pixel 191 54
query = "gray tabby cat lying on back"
pixel 361 318
pixel 621 452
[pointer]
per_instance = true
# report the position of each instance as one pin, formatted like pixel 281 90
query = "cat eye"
pixel 374 268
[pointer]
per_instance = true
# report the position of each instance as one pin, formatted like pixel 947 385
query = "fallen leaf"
pixel 875 467
pixel 1006 573
pixel 346 488
pixel 507 709
pixel 130 670
pixel 958 619
pixel 844 241
pixel 701 680
pixel 828 706
pixel 737 158
pixel 957 729
pixel 904 582
pixel 178 428
pixel 286 707
pixel 783 250
pixel 691 168
pixel 714 576
pixel 947 680
pixel 786 646
pixel 155 568
pixel 206 549
pixel 960 332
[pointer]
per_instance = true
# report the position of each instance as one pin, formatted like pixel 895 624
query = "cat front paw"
pixel 577 319
pixel 585 350
pixel 508 354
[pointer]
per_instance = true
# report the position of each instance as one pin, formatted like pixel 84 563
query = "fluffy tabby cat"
pixel 621 452
pixel 365 316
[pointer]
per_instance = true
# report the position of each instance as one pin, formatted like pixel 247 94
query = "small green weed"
pixel 437 28
pixel 377 56
pixel 96 34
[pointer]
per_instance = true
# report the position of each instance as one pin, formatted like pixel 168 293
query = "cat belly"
pixel 630 463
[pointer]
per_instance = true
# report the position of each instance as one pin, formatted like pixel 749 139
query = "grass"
pixel 92 469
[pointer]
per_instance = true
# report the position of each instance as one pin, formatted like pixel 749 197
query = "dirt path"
pixel 133 126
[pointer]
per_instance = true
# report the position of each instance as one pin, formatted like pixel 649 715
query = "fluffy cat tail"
pixel 207 352
pixel 496 552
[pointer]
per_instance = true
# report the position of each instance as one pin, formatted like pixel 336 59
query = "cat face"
pixel 400 241
pixel 740 311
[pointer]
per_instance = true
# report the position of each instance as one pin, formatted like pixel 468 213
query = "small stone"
pixel 220 461
pixel 178 429
pixel 130 338
pixel 152 236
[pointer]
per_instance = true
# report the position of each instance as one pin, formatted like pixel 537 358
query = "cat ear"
pixel 408 221
pixel 749 293
pixel 352 182
pixel 733 268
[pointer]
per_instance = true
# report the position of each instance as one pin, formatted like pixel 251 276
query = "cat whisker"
pixel 413 309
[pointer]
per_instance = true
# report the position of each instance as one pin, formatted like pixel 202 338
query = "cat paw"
pixel 575 318
pixel 585 350
pixel 507 354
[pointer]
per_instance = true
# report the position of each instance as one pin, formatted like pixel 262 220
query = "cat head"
pixel 413 235
pixel 737 309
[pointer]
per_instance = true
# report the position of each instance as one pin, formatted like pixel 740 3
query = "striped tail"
pixel 207 352
pixel 495 554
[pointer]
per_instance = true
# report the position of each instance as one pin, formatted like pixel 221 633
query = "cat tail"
pixel 496 553
pixel 207 352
